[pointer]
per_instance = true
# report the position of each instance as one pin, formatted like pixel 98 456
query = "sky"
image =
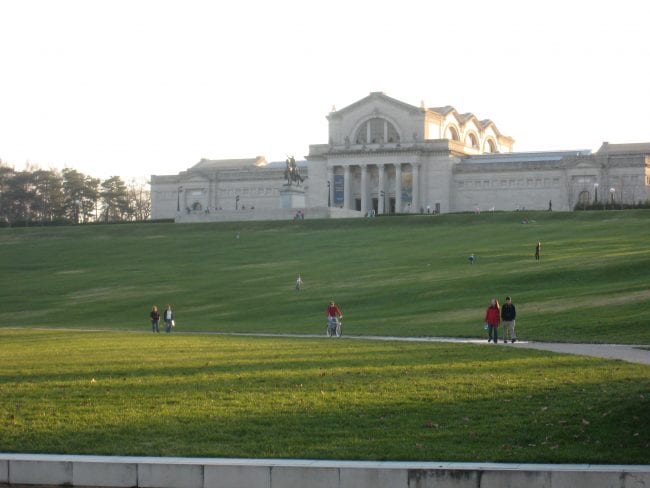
pixel 140 87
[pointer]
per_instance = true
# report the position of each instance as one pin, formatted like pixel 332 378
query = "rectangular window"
pixel 377 130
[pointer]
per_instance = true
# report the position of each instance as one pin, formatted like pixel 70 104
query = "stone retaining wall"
pixel 91 471
pixel 260 214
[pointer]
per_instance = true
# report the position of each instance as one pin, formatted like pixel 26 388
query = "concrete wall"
pixel 265 214
pixel 90 471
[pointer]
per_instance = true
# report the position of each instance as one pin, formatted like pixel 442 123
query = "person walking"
pixel 168 318
pixel 298 283
pixel 155 319
pixel 492 319
pixel 538 250
pixel 508 314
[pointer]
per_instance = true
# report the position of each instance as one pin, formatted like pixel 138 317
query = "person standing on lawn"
pixel 508 314
pixel 492 319
pixel 168 317
pixel 155 319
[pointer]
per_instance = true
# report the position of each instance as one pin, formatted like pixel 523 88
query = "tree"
pixel 19 197
pixel 48 196
pixel 139 200
pixel 81 195
pixel 6 175
pixel 114 199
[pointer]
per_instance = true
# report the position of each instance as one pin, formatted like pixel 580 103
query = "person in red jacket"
pixel 333 311
pixel 493 319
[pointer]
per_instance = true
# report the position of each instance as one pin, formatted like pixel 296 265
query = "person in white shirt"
pixel 168 318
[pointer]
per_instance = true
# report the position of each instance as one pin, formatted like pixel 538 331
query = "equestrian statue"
pixel 291 173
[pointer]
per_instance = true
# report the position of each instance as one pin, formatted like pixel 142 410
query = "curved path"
pixel 639 354
pixel 632 354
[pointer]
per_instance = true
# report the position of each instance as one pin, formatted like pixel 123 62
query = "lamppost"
pixel 329 194
pixel 178 199
pixel 595 194
pixel 237 202
pixel 611 194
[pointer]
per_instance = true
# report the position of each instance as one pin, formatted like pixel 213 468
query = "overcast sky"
pixel 140 87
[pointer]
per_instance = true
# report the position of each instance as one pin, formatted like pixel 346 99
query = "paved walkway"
pixel 631 354
pixel 639 354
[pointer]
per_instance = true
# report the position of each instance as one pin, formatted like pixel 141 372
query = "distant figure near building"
pixel 471 259
pixel 538 250
pixel 298 283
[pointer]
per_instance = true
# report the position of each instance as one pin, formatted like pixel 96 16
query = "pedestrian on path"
pixel 298 283
pixel 508 314
pixel 492 319
pixel 155 319
pixel 538 250
pixel 168 317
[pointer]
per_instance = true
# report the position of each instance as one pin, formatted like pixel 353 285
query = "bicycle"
pixel 334 327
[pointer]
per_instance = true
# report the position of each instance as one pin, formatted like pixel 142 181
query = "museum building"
pixel 384 156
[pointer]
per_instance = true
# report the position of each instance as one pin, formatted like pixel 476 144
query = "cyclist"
pixel 334 317
pixel 333 311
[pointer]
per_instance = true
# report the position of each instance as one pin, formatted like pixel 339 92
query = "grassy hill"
pixel 228 396
pixel 391 275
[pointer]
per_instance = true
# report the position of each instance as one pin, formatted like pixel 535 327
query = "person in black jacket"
pixel 508 315
pixel 155 319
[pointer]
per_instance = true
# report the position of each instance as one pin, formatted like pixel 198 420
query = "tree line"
pixel 38 196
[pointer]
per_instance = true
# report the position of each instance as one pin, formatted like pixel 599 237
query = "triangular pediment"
pixel 375 98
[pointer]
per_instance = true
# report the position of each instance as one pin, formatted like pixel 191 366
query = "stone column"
pixel 346 187
pixel 415 204
pixel 381 196
pixel 398 188
pixel 364 189
pixel 330 185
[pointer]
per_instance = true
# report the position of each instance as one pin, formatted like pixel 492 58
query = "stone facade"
pixel 386 156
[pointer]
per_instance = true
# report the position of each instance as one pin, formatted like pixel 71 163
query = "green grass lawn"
pixel 121 393
pixel 404 276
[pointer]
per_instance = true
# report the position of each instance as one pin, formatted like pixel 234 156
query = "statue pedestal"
pixel 292 197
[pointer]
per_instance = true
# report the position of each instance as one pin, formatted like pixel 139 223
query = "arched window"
pixel 584 198
pixel 452 133
pixel 471 140
pixel 490 146
pixel 376 131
